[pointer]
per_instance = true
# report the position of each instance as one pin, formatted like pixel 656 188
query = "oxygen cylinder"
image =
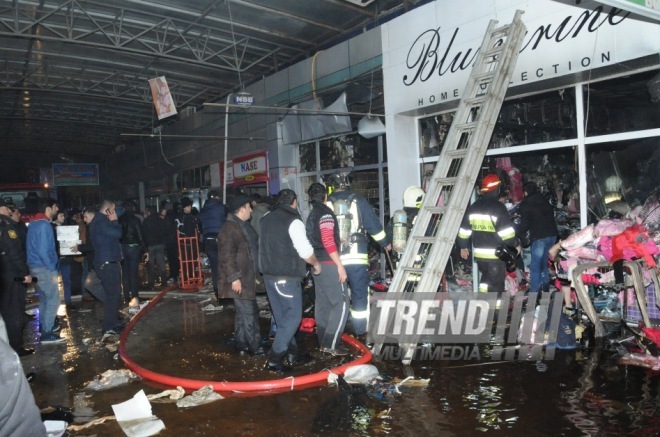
pixel 343 214
pixel 399 230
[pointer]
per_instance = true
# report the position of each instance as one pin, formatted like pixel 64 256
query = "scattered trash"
pixel 56 414
pixel 94 422
pixel 132 310
pixel 111 347
pixel 135 417
pixel 411 382
pixel 87 340
pixel 110 379
pixel 200 397
pixel 173 395
pixel 55 428
pixel 361 374
pixel 82 409
pixel 210 307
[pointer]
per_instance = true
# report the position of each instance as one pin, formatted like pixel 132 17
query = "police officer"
pixel 14 276
pixel 488 222
pixel 358 220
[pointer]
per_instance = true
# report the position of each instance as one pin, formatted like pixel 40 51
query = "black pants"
pixel 246 325
pixel 12 308
pixel 492 276
pixel 173 259
pixel 211 250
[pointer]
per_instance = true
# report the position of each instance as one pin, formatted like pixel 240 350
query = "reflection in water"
pixel 486 399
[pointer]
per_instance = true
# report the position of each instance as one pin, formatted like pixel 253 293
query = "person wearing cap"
pixel 21 227
pixel 188 226
pixel 283 251
pixel 238 249
pixel 488 222
pixel 14 275
pixel 538 217
pixel 212 217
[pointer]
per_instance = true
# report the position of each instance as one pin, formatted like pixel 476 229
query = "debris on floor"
pixel 111 378
pixel 202 396
pixel 135 417
pixel 171 395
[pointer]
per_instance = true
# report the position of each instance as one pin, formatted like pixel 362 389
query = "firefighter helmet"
pixel 338 180
pixel 490 182
pixel 413 197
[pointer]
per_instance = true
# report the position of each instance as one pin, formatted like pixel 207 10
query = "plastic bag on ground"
pixel 200 397
pixel 172 395
pixel 361 374
pixel 111 378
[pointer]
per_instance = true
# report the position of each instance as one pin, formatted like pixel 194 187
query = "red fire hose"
pixel 255 387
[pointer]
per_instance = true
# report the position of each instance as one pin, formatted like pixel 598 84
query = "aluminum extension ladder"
pixel 449 190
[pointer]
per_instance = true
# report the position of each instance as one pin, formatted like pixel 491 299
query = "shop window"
pixel 337 152
pixel 621 175
pixel 623 104
pixel 540 118
pixel 307 154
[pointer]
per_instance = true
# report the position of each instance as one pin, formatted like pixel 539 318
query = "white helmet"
pixel 413 197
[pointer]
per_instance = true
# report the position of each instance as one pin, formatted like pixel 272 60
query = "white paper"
pixel 135 417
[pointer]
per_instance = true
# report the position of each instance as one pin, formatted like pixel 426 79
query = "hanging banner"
pixel 162 97
pixel 67 175
pixel 250 169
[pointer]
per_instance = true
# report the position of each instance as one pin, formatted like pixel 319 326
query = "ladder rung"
pixel 473 101
pixel 412 270
pixel 445 181
pixel 436 209
pixel 458 153
pixel 502 30
pixel 467 126
pixel 425 239
pixel 483 77
pixel 493 51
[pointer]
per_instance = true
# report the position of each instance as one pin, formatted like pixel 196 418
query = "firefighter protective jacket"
pixel 363 219
pixel 488 223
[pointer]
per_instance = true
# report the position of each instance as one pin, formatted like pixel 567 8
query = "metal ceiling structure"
pixel 75 73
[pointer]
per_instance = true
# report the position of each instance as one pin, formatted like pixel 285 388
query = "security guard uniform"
pixel 12 289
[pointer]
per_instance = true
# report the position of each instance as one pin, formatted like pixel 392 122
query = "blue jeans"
pixel 130 267
pixel 65 271
pixel 358 278
pixel 49 297
pixel 285 297
pixel 538 267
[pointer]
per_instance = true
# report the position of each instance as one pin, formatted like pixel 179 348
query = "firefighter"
pixel 488 222
pixel 357 220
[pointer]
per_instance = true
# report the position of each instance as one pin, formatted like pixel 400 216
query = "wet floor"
pixel 576 393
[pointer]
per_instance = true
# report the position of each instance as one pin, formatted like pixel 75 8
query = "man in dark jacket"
pixel 283 251
pixel 212 218
pixel 488 223
pixel 154 231
pixel 132 244
pixel 237 257
pixel 538 217
pixel 14 274
pixel 105 233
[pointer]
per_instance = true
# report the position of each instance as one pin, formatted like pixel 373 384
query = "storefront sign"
pixel 67 175
pixel 250 169
pixel 431 65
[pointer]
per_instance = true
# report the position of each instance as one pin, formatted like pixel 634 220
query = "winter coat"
pixel 131 230
pixel 155 230
pixel 212 217
pixel 538 217
pixel 41 244
pixel 237 258
pixel 104 235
